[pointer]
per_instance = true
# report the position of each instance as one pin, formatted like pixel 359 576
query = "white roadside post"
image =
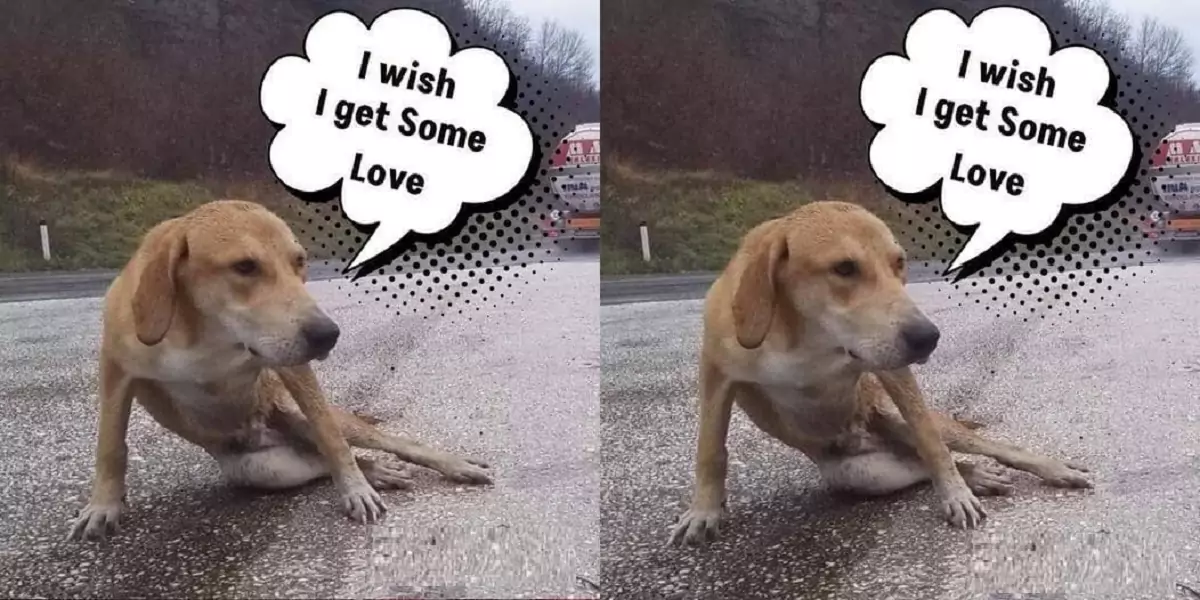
pixel 45 240
pixel 645 242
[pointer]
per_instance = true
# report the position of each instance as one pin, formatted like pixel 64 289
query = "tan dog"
pixel 211 328
pixel 811 332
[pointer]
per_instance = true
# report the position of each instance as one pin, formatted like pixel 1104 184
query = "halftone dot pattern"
pixel 494 255
pixel 1087 262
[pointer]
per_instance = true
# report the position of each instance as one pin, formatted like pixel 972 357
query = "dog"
pixel 810 331
pixel 210 327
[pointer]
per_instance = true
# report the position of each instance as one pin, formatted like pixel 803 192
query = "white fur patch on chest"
pixel 782 370
pixel 212 390
pixel 815 395
pixel 194 365
pixel 799 369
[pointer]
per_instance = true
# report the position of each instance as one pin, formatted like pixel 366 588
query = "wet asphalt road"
pixel 53 285
pixel 1116 388
pixel 514 385
pixel 692 286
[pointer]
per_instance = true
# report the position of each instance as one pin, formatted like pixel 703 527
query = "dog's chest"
pixel 811 412
pixel 812 399
pixel 220 405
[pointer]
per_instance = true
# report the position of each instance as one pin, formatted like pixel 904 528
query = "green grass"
pixel 96 220
pixel 697 219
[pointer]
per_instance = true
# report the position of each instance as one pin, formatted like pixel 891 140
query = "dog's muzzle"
pixel 320 335
pixel 920 339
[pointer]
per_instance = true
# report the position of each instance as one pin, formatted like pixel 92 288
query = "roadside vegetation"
pixel 697 218
pixel 127 113
pixel 730 113
pixel 96 219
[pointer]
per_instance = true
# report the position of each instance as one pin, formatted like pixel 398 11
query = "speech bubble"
pixel 1011 128
pixel 406 128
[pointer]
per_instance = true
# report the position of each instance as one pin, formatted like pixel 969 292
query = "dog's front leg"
pixel 102 515
pixel 359 499
pixel 959 503
pixel 703 518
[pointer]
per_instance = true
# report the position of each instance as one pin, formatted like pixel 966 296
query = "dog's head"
pixel 235 270
pixel 835 267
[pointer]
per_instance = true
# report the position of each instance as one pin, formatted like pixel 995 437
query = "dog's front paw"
pixel 1065 475
pixel 986 480
pixel 361 502
pixel 96 521
pixel 960 506
pixel 387 477
pixel 467 471
pixel 697 526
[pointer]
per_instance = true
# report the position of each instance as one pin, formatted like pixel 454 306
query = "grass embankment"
pixel 96 219
pixel 696 220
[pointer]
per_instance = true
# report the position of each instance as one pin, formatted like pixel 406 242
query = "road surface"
pixel 690 286
pixel 1117 389
pixel 515 386
pixel 51 285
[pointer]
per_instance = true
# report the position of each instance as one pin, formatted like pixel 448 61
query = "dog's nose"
pixel 321 335
pixel 921 338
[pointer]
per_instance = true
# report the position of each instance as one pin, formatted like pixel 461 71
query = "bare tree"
pixel 1159 50
pixel 554 53
pixel 563 54
pixel 1104 27
pixel 506 31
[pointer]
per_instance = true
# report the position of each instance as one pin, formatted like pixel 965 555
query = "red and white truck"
pixel 575 173
pixel 1175 173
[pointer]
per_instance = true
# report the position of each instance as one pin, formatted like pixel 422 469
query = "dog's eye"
pixel 846 268
pixel 246 267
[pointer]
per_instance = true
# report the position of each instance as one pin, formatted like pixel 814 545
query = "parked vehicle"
pixel 1175 173
pixel 575 172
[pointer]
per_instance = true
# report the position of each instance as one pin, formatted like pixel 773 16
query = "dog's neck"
pixel 202 352
pixel 797 352
pixel 805 366
pixel 201 364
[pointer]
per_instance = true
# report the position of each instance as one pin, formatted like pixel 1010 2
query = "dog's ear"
pixel 754 298
pixel 154 299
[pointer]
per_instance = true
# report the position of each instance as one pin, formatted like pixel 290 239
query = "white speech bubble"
pixel 419 141
pixel 1078 152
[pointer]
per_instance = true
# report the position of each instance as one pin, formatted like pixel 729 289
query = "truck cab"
pixel 1175 177
pixel 575 177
